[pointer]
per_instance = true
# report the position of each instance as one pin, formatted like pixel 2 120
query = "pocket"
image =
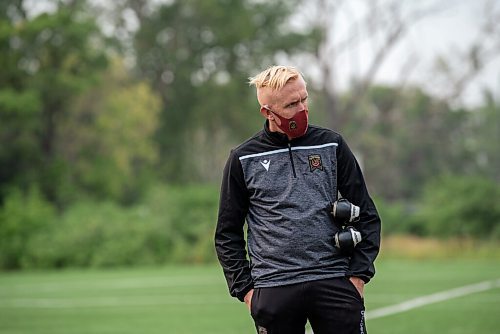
pixel 353 287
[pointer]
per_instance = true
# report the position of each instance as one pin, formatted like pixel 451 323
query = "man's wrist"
pixel 357 278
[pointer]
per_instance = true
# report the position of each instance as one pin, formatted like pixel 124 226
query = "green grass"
pixel 195 300
pixel 398 281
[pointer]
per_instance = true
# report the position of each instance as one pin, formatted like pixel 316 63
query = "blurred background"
pixel 116 119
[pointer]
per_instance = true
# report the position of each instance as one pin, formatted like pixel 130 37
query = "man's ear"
pixel 266 113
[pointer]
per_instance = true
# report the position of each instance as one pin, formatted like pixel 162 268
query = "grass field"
pixel 195 300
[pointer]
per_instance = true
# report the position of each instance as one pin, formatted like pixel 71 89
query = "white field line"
pixel 66 303
pixel 116 284
pixel 430 299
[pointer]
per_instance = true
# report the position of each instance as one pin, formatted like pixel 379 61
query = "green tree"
pixel 22 217
pixel 198 56
pixel 46 61
pixel 107 136
pixel 404 137
pixel 482 138
pixel 455 205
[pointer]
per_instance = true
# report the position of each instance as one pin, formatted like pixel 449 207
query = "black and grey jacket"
pixel 284 190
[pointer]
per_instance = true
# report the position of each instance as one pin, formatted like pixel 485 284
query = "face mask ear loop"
pixel 265 106
pixel 272 112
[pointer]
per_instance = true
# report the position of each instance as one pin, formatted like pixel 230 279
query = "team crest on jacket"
pixel 315 162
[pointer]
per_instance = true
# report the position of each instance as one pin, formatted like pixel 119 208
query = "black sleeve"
pixel 352 186
pixel 229 234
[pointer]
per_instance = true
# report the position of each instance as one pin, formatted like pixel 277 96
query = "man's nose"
pixel 302 105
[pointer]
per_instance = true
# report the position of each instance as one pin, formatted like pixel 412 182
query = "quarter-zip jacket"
pixel 284 190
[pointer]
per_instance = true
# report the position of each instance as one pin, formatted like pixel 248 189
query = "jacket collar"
pixel 275 137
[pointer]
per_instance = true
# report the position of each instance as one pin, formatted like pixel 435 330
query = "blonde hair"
pixel 275 77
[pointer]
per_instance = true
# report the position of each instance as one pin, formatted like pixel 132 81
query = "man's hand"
pixel 248 299
pixel 358 283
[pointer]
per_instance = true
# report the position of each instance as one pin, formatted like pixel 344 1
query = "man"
pixel 282 182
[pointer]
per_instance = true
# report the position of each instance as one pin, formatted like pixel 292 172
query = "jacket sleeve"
pixel 352 186
pixel 229 235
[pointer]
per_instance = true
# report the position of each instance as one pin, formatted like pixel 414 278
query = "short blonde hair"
pixel 275 77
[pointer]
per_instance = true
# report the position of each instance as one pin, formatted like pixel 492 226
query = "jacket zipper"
pixel 291 159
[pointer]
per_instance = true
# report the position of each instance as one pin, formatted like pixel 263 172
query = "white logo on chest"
pixel 265 163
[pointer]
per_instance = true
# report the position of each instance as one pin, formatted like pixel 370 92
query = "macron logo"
pixel 265 163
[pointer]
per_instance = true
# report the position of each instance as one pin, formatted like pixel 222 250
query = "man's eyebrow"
pixel 296 100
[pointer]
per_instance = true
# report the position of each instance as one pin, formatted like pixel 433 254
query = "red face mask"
pixel 296 126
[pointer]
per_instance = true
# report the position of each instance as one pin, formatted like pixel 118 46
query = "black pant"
pixel 332 306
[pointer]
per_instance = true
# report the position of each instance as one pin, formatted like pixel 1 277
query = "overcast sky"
pixel 454 28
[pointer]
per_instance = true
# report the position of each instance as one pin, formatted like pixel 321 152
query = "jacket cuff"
pixel 365 278
pixel 243 293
